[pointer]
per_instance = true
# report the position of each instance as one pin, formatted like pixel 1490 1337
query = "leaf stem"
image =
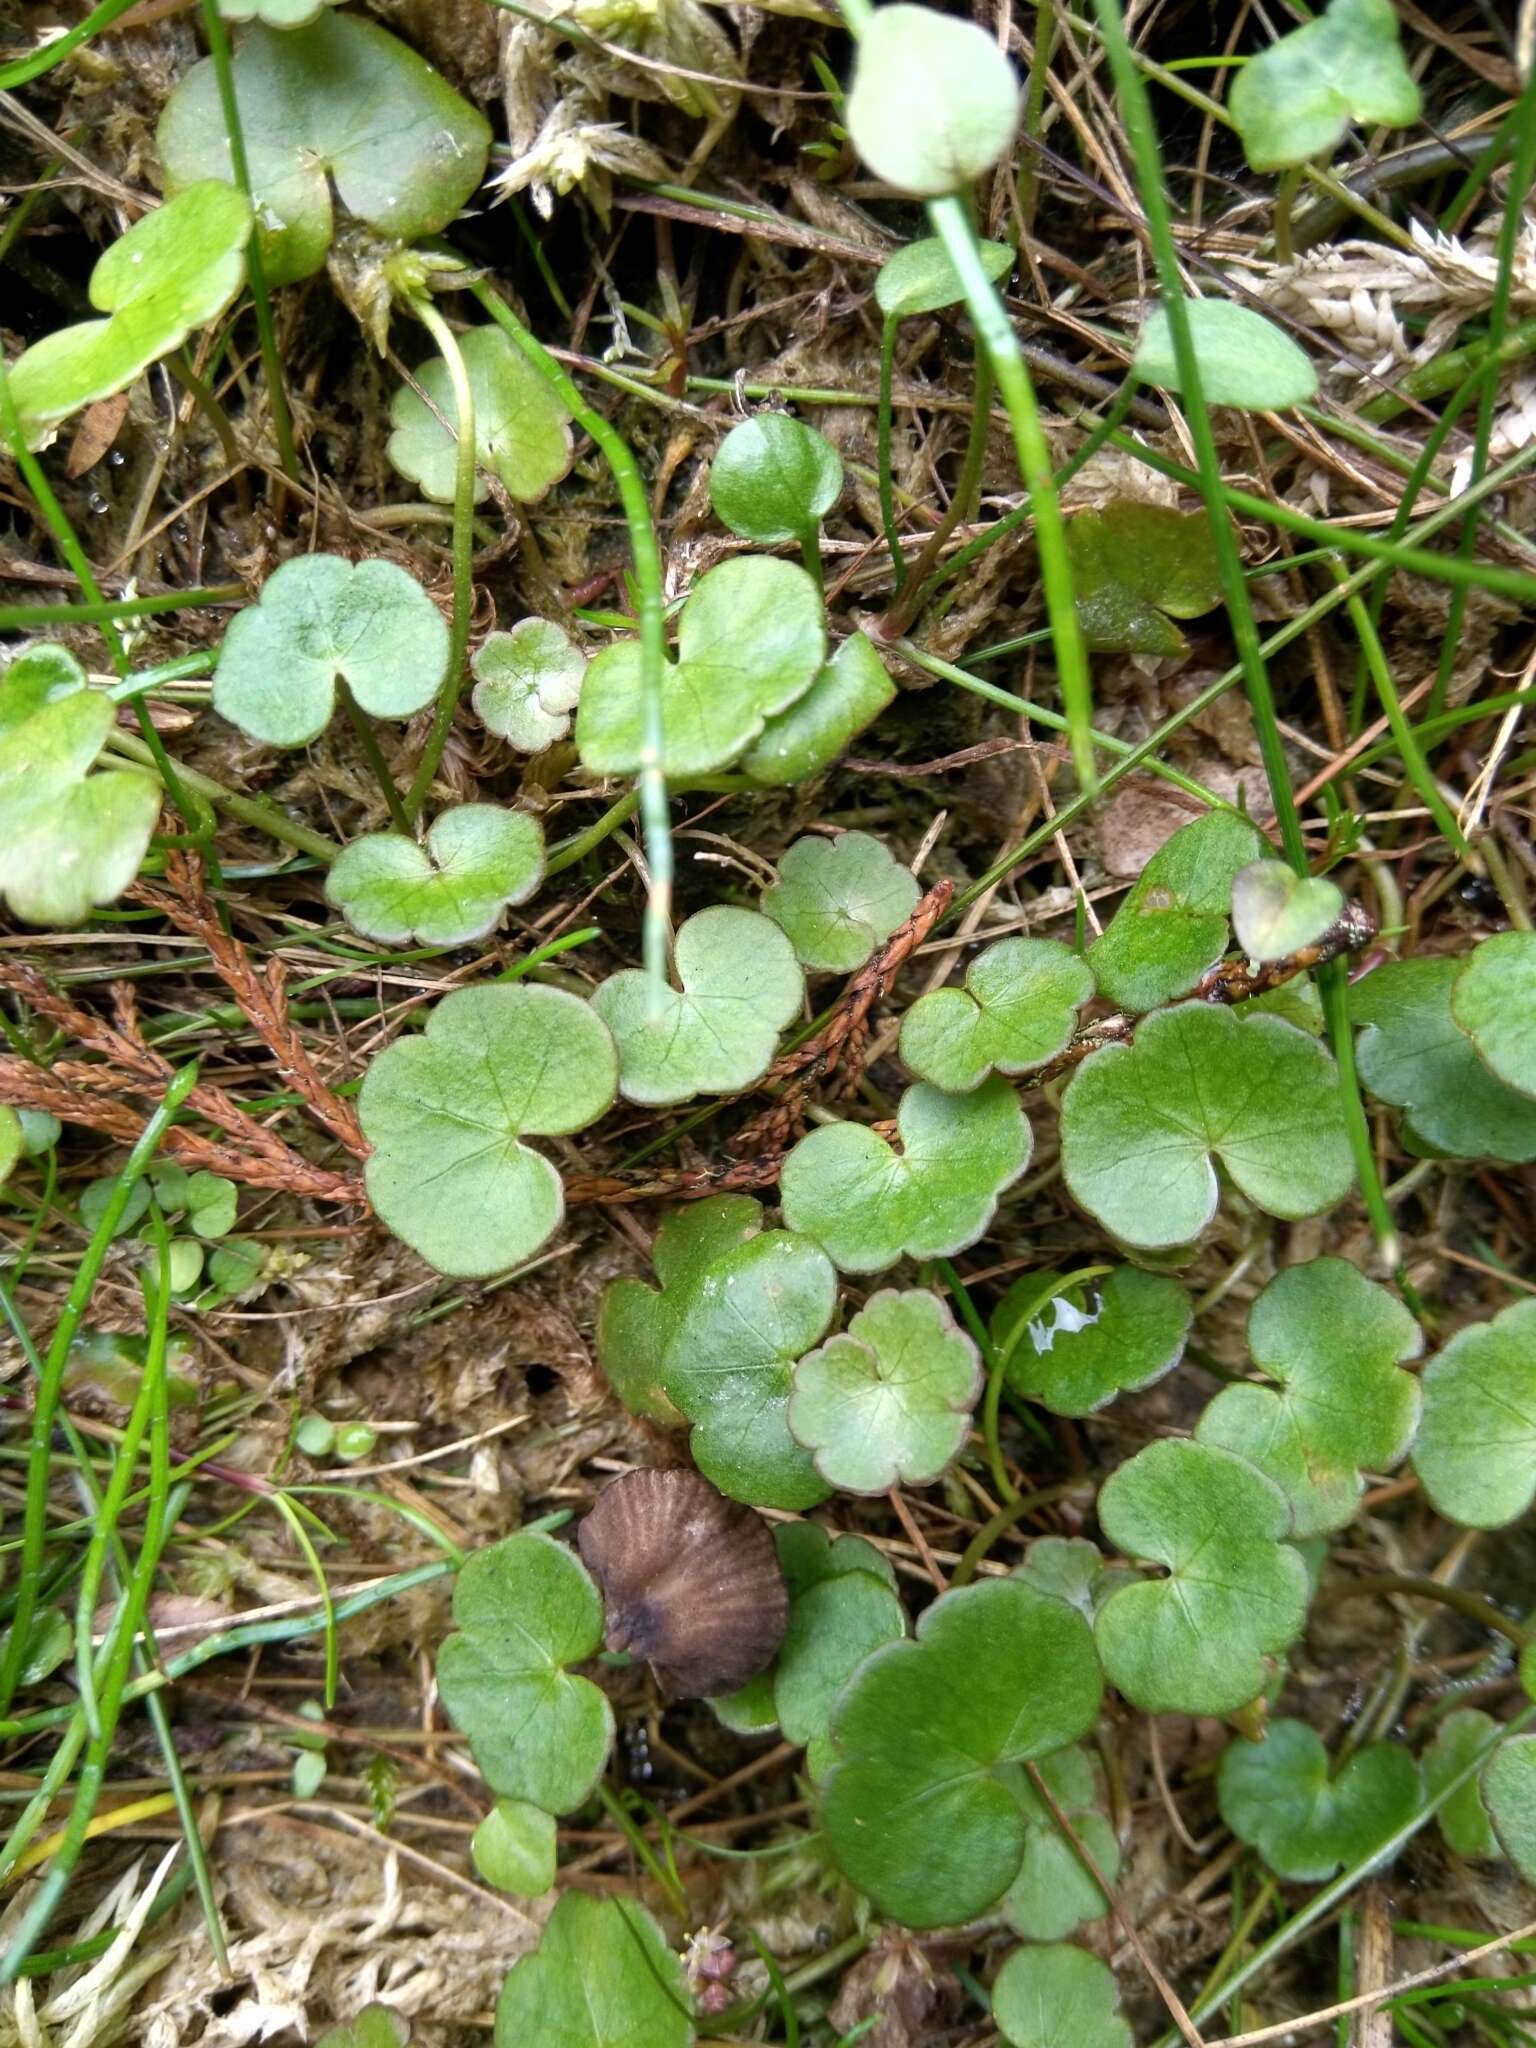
pixel 885 482
pixel 899 618
pixel 368 740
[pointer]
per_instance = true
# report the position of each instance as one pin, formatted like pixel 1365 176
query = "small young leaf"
pixel 525 1609
pixel 527 683
pixel 514 1848
pixel 602 1974
pixel 275 13
pixel 1509 1787
pixel 1493 999
pixel 1053 1893
pixel 1412 1054
pixel 737 1306
pixel 1295 99
pixel 1017 1010
pixel 934 102
pixel 1278 1797
pixel 446 1114
pixel 921 278
pixel 1071 1568
pixel 1244 360
pixel 1195 1642
pixel 341 102
pixel 1463 1820
pixel 1335 1342
pixel 774 479
pixel 1058 1997
pixel 1136 567
pixel 10 1140
pixel 315 1435
pixel 1172 927
pixel 867 1205
pixel 173 271
pixel 1476 1447
pixel 1275 911
pixel 354 1440
pixel 1143 1126
pixel 376 2026
pixel 741 986
pixel 478 860
pixel 212 1204
pixel 750 642
pixel 840 898
pixel 1076 1350
pixel 849 694
pixel 914 1808
pixel 888 1402
pixel 69 839
pixel 40 1132
pixel 522 430
pixel 320 621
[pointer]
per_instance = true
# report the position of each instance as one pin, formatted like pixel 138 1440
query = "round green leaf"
pixel 10 1140
pixel 1053 1893
pixel 212 1204
pixel 1195 1642
pixel 838 899
pixel 1136 567
pixel 1476 1447
pixel 1058 1997
pixel 773 478
pixel 478 860
pixel 339 103
pixel 1244 360
pixel 1493 999
pixel 750 642
pixel 921 278
pixel 173 271
pixel 1278 1797
pixel 446 1114
pixel 315 1435
pixel 1295 99
pixel 1335 1342
pixel 1412 1054
pixel 275 13
pixel 1017 1010
pixel 888 1402
pixel 320 621
pixel 1509 1787
pixel 1072 1569
pixel 522 429
pixel 741 986
pixel 1461 1738
pixel 354 1440
pixel 1143 1125
pixel 514 1848
pixel 737 1306
pixel 867 1204
pixel 1275 911
pixel 601 1975
pixel 40 1132
pixel 527 682
pixel 914 1809
pixel 934 102
pixel 849 694
pixel 70 839
pixel 525 1609
pixel 1172 927
pixel 1077 1349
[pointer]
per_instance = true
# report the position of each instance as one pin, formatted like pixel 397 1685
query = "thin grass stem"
pixel 885 482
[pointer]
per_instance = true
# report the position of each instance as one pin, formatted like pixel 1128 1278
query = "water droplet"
pixel 97 504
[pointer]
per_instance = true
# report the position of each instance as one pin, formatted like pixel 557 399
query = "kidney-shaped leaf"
pixel 1461 1739
pixel 1071 1568
pixel 1017 1010
pixel 1074 1348
pixel 737 1306
pixel 1295 99
pixel 1058 1997
pixel 840 898
pixel 1413 1054
pixel 1195 1642
pixel 525 1609
pixel 478 860
pixel 69 839
pixel 750 642
pixel 1493 999
pixel 527 682
pixel 174 270
pixel 515 1848
pixel 1143 1126
pixel 1136 567
pixel 1278 1797
pixel 522 430
pixel 867 1204
pixel 921 278
pixel 275 13
pixel 888 1402
pixel 1509 1788
pixel 741 986
pixel 913 1808
pixel 1172 926
pixel 601 1975
pixel 934 102
pixel 340 102
pixel 850 693
pixel 1243 359
pixel 1336 1343
pixel 1053 1893
pixel 447 1112
pixel 320 621
pixel 1476 1447
pixel 1275 911
pixel 774 478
